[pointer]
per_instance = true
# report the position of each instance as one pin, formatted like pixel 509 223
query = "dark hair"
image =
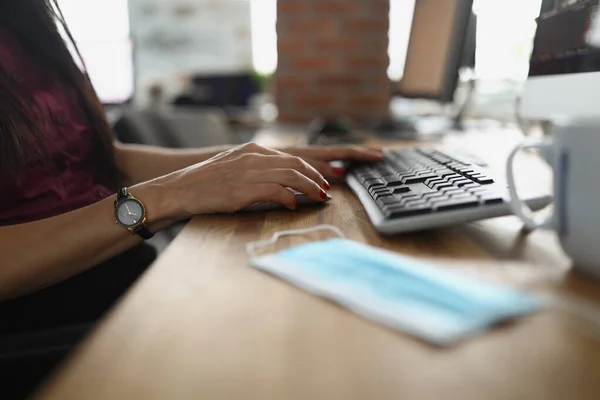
pixel 36 23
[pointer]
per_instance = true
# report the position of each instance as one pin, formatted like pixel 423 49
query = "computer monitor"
pixel 442 40
pixel 564 73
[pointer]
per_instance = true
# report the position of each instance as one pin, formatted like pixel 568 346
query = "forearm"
pixel 41 253
pixel 142 163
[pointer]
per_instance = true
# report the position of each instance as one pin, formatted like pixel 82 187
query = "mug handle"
pixel 517 205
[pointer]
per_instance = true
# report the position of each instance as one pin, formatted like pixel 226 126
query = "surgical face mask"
pixel 435 305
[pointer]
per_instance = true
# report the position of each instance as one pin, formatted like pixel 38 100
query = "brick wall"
pixel 333 59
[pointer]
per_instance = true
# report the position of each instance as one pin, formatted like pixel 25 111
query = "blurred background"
pixel 225 54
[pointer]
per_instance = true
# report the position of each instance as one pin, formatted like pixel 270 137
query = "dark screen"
pixel 559 46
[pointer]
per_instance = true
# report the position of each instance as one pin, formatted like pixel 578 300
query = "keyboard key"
pixel 454 204
pixel 401 189
pixel 379 189
pixel 477 190
pixel 464 170
pixel 484 180
pixel 446 173
pixel 415 203
pixel 454 176
pixel 464 196
pixel 403 200
pixel 442 185
pixel 466 183
pixel 432 195
pixel 394 183
pixel 408 212
pixel 375 184
pixel 374 193
pixel 418 179
pixel 462 182
pixel 453 191
pixel 492 199
pixel 432 181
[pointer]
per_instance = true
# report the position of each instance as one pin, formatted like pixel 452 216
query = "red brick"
pixel 369 101
pixel 380 7
pixel 383 82
pixel 335 6
pixel 313 27
pixel 332 59
pixel 378 47
pixel 366 25
pixel 292 82
pixel 295 46
pixel 313 63
pixel 337 44
pixel 346 80
pixel 311 100
pixel 367 62
pixel 289 7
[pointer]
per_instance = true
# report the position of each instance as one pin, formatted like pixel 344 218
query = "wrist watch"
pixel 131 214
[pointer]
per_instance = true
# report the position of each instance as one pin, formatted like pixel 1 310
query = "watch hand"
pixel 128 210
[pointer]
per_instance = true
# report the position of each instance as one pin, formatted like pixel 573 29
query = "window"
pixel 101 30
pixel 505 38
pixel 264 35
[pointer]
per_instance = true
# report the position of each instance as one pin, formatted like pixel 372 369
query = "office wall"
pixel 333 59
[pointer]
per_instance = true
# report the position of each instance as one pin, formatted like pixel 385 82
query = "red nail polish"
pixel 296 205
pixel 323 195
pixel 339 171
pixel 327 187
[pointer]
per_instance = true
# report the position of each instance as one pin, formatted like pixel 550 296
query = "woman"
pixel 63 258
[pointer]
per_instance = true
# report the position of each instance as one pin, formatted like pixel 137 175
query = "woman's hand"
pixel 320 156
pixel 228 182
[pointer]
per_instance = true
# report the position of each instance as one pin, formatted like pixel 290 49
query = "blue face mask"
pixel 439 306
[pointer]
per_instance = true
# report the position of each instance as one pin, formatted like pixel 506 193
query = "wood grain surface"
pixel 201 324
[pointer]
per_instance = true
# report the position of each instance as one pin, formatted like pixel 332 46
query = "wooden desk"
pixel 202 325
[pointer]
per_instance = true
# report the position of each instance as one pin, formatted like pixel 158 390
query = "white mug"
pixel 574 153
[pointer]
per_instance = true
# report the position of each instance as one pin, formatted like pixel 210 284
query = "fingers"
pixel 292 179
pixel 328 171
pixel 354 154
pixel 284 161
pixel 272 192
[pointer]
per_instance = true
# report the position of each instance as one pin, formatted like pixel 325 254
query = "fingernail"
pixel 327 186
pixel 339 171
pixel 323 195
pixel 296 205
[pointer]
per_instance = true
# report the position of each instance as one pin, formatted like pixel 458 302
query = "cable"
pixel 457 120
pixel 518 117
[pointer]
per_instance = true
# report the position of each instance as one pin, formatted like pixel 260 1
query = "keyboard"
pixel 423 188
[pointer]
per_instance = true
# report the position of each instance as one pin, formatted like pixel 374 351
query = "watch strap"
pixel 122 194
pixel 143 232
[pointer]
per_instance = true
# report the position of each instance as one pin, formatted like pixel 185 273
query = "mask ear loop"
pixel 251 247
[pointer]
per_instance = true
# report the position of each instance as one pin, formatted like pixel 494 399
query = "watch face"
pixel 130 212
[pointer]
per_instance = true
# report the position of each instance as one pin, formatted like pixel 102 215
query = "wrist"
pixel 159 213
